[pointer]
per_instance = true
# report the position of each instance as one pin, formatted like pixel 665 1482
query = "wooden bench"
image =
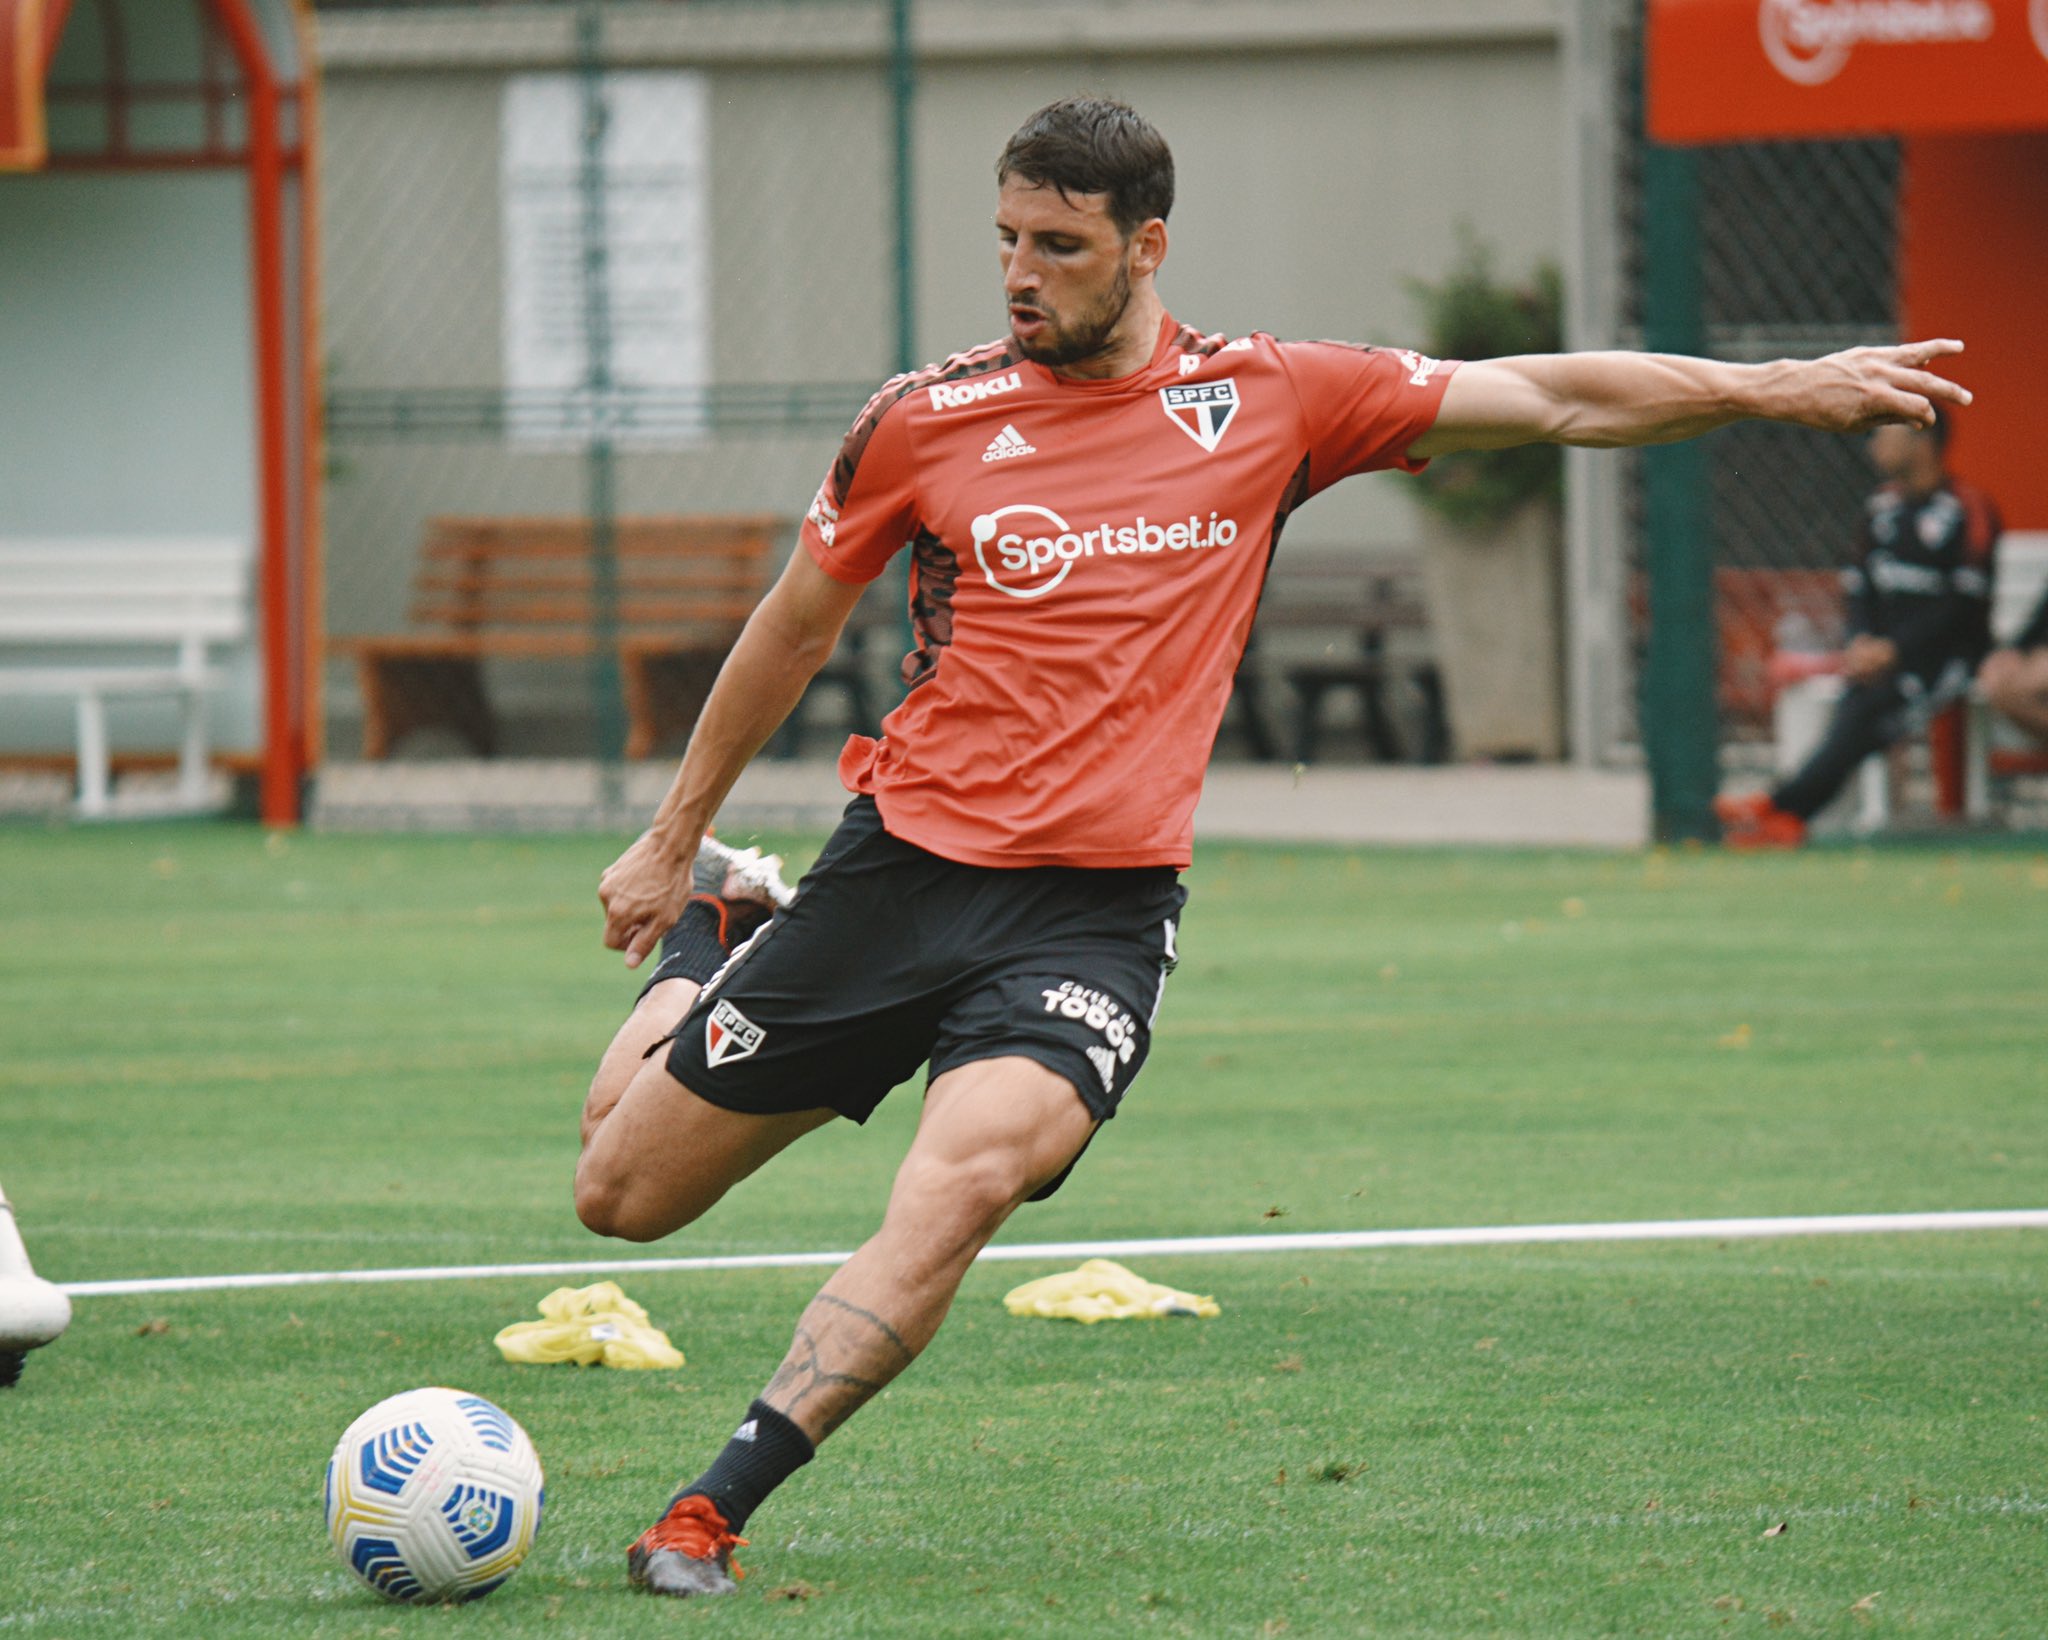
pixel 100 619
pixel 1356 601
pixel 1749 607
pixel 526 589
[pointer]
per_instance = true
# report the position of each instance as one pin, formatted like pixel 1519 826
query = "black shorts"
pixel 891 957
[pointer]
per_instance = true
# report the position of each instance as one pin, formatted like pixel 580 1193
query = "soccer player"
pixel 1089 504
pixel 1919 623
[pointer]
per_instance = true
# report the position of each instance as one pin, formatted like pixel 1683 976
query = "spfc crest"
pixel 1202 410
pixel 729 1034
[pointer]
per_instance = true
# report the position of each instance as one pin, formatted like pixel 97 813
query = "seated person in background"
pixel 2015 677
pixel 1919 621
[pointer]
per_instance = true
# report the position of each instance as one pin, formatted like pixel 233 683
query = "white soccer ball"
pixel 433 1495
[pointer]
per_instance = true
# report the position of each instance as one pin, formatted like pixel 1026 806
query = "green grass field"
pixel 221 1052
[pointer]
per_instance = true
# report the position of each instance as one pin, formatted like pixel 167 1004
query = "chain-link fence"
pixel 603 277
pixel 1797 255
pixel 601 295
pixel 588 352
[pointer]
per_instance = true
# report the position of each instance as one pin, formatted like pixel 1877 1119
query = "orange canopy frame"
pixel 28 40
pixel 287 467
pixel 1964 84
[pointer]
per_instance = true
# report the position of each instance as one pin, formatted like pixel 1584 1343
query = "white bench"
pixel 143 613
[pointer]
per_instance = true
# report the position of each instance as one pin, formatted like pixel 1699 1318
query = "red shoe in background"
pixel 1753 821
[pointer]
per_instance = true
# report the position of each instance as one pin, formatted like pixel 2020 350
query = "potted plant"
pixel 1493 527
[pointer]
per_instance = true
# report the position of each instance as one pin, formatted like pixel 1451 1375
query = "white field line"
pixel 1331 1241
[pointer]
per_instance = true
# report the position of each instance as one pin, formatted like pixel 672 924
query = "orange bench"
pixel 1748 604
pixel 526 589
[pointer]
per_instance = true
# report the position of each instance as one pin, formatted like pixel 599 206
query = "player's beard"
pixel 1087 335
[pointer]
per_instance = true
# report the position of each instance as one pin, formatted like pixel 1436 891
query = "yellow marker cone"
pixel 591 1326
pixel 1103 1290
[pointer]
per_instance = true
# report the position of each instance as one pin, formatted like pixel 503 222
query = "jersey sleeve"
pixel 866 510
pixel 1361 407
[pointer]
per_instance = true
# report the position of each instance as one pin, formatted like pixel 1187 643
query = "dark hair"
pixel 1089 145
pixel 1941 429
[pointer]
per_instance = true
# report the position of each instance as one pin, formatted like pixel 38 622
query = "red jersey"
pixel 1086 559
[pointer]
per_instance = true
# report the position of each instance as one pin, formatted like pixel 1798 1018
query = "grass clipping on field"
pixel 1103 1290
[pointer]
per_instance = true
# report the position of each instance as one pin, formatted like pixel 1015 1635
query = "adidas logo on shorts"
pixel 1009 442
pixel 1104 1062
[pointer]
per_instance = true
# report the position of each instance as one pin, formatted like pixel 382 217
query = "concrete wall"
pixel 125 350
pixel 1327 149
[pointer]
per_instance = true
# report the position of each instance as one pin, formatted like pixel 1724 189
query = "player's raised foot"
pixel 740 874
pixel 688 1551
pixel 733 893
pixel 745 883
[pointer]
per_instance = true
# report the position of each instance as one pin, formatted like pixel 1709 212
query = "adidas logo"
pixel 747 1431
pixel 1104 1062
pixel 1009 442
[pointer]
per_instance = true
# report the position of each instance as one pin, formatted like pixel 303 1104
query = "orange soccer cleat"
pixel 688 1551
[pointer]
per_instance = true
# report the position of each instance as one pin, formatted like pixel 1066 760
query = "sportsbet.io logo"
pixel 1810 41
pixel 1026 551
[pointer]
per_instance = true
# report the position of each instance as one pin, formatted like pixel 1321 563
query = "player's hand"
pixel 1865 387
pixel 643 892
pixel 1867 659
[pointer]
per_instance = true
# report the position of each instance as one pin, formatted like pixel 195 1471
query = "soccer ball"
pixel 435 1494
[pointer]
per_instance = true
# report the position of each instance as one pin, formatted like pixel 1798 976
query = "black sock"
pixel 696 947
pixel 763 1453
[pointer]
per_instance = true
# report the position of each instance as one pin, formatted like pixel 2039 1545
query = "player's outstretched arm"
pixel 787 638
pixel 1607 400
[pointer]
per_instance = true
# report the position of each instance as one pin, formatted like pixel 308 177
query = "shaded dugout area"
pixel 158 337
pixel 1964 92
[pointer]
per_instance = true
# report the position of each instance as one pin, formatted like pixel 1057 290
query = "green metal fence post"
pixel 1681 738
pixel 601 466
pixel 902 94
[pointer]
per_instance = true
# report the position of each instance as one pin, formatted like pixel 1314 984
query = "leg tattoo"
pixel 842 1357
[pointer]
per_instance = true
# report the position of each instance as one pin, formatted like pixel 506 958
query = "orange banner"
pixel 21 85
pixel 1728 70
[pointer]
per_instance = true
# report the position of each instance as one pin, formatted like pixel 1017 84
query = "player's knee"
pixel 599 1203
pixel 960 1199
pixel 611 1204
